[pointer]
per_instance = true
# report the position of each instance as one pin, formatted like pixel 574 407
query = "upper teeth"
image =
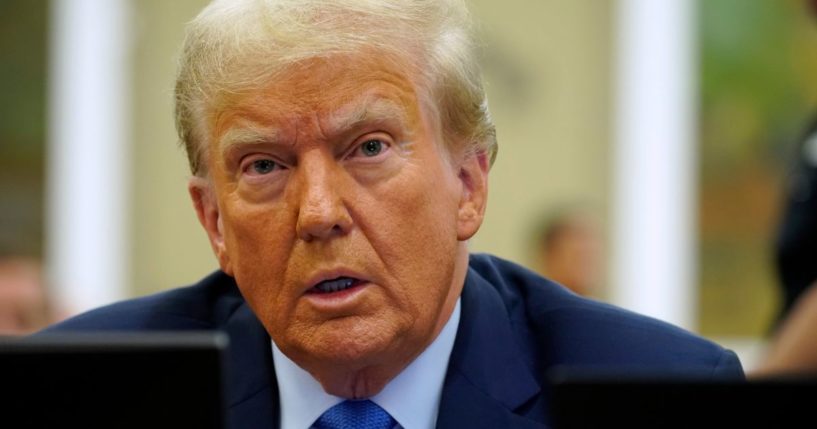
pixel 334 285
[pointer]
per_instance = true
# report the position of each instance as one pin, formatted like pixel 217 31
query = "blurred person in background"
pixel 569 250
pixel 24 304
pixel 793 348
pixel 796 247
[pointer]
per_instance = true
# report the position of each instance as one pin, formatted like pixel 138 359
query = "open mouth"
pixel 335 285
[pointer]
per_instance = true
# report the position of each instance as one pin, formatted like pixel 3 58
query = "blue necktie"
pixel 355 415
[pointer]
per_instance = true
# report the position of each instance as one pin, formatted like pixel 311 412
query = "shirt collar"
pixel 422 380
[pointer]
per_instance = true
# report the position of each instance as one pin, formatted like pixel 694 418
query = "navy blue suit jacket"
pixel 514 327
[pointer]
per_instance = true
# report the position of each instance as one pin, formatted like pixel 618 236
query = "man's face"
pixel 339 213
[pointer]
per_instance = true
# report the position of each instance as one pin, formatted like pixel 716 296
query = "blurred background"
pixel 644 152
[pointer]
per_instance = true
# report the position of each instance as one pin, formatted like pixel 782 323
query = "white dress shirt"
pixel 412 398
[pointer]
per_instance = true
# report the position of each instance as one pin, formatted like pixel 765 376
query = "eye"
pixel 371 148
pixel 263 166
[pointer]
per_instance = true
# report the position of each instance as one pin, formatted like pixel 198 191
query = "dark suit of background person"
pixel 796 242
pixel 796 246
pixel 791 349
pixel 515 326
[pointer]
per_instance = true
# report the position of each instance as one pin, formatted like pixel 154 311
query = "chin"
pixel 344 342
pixel 358 347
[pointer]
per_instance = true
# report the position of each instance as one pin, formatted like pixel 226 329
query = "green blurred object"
pixel 23 59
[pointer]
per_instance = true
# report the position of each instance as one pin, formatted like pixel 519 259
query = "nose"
pixel 322 212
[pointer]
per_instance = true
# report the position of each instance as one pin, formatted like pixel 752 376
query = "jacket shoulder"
pixel 568 330
pixel 204 305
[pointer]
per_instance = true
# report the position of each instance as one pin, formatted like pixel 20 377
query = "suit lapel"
pixel 252 390
pixel 487 384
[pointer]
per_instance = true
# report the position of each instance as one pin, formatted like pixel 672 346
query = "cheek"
pixel 416 208
pixel 431 205
pixel 258 243
pixel 416 234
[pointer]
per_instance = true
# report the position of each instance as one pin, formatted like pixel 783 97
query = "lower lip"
pixel 339 297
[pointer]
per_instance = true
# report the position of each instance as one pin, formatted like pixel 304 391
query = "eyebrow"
pixel 372 109
pixel 248 134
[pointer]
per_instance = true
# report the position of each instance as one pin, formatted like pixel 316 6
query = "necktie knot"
pixel 355 415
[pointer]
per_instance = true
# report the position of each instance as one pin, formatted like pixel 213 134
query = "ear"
pixel 204 201
pixel 473 175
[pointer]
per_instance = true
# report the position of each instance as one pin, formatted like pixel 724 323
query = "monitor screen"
pixel 113 380
pixel 589 400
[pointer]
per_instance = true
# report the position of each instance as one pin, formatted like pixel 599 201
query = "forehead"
pixel 336 92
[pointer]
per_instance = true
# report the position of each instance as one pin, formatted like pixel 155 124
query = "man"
pixel 24 304
pixel 568 250
pixel 340 152
pixel 796 241
pixel 797 233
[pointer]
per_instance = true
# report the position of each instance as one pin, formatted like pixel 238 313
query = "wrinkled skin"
pixel 336 169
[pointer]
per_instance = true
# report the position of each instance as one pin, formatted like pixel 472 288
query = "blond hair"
pixel 236 46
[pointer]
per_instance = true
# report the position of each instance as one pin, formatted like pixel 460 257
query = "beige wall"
pixel 548 81
pixel 547 69
pixel 169 248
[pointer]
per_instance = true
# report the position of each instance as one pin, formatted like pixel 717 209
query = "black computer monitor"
pixel 113 380
pixel 656 399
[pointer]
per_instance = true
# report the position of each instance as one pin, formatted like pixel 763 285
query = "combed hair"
pixel 238 46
